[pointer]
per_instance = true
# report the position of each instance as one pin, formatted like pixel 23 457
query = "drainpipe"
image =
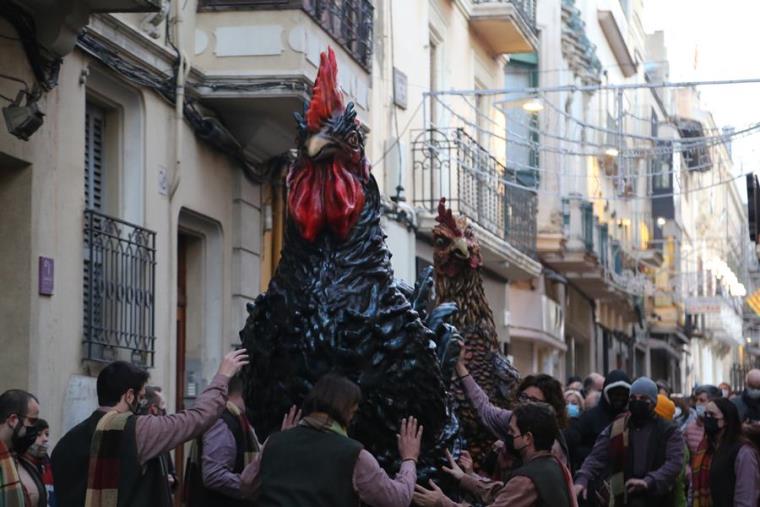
pixel 183 69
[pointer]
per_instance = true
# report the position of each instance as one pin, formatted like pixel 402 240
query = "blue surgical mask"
pixel 573 410
pixel 753 393
pixel 700 410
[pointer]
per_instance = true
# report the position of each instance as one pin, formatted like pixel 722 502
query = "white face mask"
pixel 725 393
pixel 700 410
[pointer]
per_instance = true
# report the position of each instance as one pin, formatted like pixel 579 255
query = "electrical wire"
pixel 532 145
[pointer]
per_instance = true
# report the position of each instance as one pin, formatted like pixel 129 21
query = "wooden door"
pixel 179 452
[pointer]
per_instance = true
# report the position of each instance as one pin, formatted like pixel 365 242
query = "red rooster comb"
pixel 445 217
pixel 327 97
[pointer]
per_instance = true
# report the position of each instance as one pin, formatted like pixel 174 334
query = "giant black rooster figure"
pixel 333 305
pixel 457 261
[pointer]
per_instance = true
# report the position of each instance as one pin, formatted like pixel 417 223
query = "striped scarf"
pixel 11 490
pixel 251 442
pixel 618 450
pixel 105 460
pixel 701 462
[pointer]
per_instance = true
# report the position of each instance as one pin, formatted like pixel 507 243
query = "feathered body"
pixel 334 306
pixel 457 262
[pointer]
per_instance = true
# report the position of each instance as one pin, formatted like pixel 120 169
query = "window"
pixel 119 257
pixel 522 126
pixel 433 57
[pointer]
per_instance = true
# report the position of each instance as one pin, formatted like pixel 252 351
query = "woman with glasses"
pixel 533 388
pixel 725 469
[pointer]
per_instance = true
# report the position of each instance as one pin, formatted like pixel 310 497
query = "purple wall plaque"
pixel 46 276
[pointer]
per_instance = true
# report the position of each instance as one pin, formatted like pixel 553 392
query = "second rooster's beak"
pixel 317 143
pixel 461 249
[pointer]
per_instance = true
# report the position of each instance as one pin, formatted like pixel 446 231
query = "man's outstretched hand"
pixel 409 439
pixel 233 362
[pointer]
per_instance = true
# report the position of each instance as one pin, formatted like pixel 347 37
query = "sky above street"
pixel 716 39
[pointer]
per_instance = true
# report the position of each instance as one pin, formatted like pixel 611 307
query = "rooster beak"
pixel 460 244
pixel 316 143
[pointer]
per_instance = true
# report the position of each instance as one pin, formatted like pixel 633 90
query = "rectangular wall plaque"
pixel 46 276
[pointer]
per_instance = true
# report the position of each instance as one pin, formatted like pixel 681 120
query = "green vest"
pixel 306 467
pixel 546 474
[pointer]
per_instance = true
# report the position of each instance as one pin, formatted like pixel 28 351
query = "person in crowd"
pixel 748 403
pixel 541 387
pixel 591 399
pixel 317 464
pixel 582 436
pixel 663 388
pixel 19 411
pixel 574 383
pixel 541 480
pixel 640 453
pixel 594 381
pixel 212 476
pixel 155 404
pixel 695 432
pixel 684 414
pixel 574 401
pixel 725 469
pixel 725 389
pixel 666 409
pixel 112 457
pixel 36 464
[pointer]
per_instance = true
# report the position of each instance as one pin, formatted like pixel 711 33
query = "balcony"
pixel 506 26
pixel 589 257
pixel 119 290
pixel 536 317
pixel 450 163
pixel 722 317
pixel 257 61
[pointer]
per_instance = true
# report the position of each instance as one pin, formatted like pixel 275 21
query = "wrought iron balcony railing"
pixel 527 8
pixel 119 290
pixel 349 22
pixel 449 163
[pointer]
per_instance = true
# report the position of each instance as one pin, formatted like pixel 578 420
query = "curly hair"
pixel 552 391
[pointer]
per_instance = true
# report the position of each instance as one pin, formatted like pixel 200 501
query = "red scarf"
pixel 701 462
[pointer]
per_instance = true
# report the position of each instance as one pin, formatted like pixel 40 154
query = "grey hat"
pixel 645 386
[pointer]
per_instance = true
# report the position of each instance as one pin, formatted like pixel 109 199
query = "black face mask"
pixel 711 426
pixel 22 443
pixel 509 445
pixel 640 410
pixel 618 405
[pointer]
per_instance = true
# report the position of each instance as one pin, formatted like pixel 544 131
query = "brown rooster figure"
pixel 457 261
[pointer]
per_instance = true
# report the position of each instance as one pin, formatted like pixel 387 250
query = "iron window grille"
pixel 450 163
pixel 119 290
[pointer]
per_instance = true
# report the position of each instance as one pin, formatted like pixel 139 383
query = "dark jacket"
pixel 145 486
pixel 748 408
pixel 582 433
pixel 654 454
pixel 549 479
pixel 306 467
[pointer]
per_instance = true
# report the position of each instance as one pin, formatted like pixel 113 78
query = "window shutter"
pixel 93 195
pixel 94 184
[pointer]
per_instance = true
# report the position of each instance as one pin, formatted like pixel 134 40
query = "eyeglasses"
pixel 526 397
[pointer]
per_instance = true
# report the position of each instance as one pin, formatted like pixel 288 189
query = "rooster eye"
pixel 440 241
pixel 353 139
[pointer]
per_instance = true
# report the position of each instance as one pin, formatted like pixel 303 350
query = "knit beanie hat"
pixel 646 387
pixel 665 408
